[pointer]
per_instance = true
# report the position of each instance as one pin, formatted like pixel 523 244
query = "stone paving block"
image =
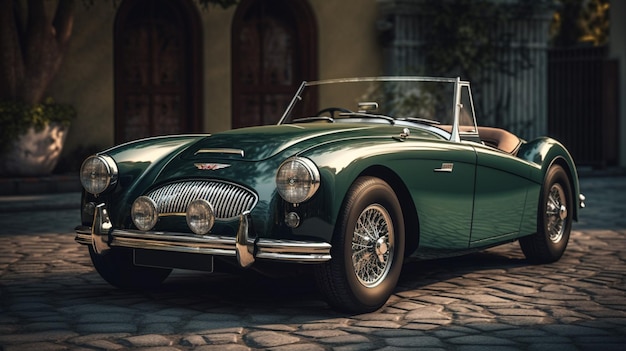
pixel 554 346
pixel 266 339
pixel 421 326
pixel 149 340
pixel 205 327
pixel 157 328
pixel 277 327
pixel 321 333
pixel 228 338
pixel 377 324
pixel 54 335
pixel 193 340
pixel 39 346
pixel 89 328
pixel 396 333
pixel 573 330
pixel 416 342
pixel 480 340
pixel 103 345
pixel 222 348
pixel 323 325
pixel 298 347
pixel 490 348
pixel 345 339
pixel 357 347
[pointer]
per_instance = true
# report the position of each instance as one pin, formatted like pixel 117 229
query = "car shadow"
pixel 200 301
pixel 297 294
pixel 419 274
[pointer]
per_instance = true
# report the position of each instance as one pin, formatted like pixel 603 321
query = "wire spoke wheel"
pixel 367 249
pixel 556 213
pixel 372 245
pixel 554 219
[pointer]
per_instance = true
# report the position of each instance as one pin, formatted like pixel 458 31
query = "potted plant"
pixel 32 136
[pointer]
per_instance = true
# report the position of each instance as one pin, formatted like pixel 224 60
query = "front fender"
pixel 139 163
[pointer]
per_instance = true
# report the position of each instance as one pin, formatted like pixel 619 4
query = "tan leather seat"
pixel 500 138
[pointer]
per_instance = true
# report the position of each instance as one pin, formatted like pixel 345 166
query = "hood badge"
pixel 210 166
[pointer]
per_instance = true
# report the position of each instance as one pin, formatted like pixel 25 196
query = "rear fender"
pixel 546 152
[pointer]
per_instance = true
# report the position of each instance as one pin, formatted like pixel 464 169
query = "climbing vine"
pixel 466 37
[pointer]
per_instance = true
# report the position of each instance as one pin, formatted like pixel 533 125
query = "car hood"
pixel 259 143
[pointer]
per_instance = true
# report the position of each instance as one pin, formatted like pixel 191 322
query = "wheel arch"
pixel 570 170
pixel 411 221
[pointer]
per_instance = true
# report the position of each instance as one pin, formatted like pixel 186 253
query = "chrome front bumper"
pixel 101 236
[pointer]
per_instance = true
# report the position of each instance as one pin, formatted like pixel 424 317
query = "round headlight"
pixel 98 173
pixel 297 179
pixel 200 216
pixel 144 213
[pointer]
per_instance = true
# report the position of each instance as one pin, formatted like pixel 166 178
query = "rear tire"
pixel 367 249
pixel 554 219
pixel 117 268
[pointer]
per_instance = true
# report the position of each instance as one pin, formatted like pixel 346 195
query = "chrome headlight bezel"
pixel 98 174
pixel 297 179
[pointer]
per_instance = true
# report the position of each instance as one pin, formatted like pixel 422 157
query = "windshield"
pixel 387 99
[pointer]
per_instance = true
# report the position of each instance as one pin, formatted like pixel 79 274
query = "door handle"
pixel 445 167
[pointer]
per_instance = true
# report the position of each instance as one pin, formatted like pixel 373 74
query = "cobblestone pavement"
pixel 52 299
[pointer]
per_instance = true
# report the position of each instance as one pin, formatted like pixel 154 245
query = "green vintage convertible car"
pixel 357 176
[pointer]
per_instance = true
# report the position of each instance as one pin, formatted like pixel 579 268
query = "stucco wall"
pixel 86 77
pixel 217 68
pixel 347 46
pixel 348 39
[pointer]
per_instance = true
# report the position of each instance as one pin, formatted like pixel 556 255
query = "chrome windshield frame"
pixel 458 83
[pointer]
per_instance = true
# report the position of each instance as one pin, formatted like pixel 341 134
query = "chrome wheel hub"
pixel 372 245
pixel 556 213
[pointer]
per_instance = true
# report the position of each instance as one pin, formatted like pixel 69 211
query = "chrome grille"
pixel 229 200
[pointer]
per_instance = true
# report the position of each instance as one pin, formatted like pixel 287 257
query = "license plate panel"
pixel 172 259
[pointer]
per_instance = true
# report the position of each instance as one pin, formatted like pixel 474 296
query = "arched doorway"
pixel 274 49
pixel 157 69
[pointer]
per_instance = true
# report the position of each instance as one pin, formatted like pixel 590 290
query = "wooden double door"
pixel 158 86
pixel 157 69
pixel 274 49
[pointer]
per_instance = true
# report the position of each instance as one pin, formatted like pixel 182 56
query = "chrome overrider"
pixel 582 199
pixel 246 248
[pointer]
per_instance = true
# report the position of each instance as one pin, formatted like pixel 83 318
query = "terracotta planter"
pixel 34 153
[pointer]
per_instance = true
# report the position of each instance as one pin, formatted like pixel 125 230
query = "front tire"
pixel 117 268
pixel 554 219
pixel 367 249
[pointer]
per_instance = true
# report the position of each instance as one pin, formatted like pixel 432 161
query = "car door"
pixel 502 186
pixel 442 186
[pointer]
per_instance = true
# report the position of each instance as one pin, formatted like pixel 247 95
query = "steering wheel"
pixel 332 110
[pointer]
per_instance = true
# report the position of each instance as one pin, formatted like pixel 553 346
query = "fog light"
pixel 144 213
pixel 292 220
pixel 200 216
